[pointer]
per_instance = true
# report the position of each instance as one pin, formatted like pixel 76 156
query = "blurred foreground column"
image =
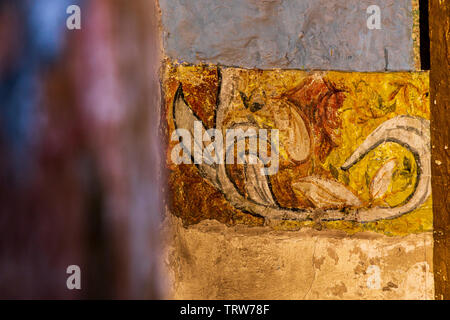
pixel 79 150
pixel 117 77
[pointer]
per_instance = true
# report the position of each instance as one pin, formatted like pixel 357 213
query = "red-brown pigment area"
pixel 193 199
pixel 200 93
pixel 320 100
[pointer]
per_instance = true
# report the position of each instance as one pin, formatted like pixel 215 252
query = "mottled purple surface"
pixel 297 34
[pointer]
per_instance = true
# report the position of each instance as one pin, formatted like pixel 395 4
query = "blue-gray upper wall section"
pixel 289 34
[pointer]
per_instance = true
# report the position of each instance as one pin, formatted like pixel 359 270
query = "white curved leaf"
pixel 382 179
pixel 184 118
pixel 325 193
pixel 256 184
pixel 297 141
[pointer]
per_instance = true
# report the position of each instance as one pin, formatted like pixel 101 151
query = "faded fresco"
pixel 354 148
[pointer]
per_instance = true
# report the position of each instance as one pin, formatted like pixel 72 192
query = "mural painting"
pixel 353 149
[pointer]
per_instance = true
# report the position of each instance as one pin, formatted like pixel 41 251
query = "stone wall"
pixel 315 229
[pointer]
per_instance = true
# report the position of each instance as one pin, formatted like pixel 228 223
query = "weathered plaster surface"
pixel 308 34
pixel 213 261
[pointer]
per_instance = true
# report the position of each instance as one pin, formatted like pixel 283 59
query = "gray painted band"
pixel 289 34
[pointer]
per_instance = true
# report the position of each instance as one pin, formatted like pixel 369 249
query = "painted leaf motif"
pixel 299 144
pixel 256 185
pixel 186 119
pixel 325 193
pixel 380 182
pixel 294 135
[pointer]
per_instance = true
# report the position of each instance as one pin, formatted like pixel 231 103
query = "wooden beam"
pixel 439 18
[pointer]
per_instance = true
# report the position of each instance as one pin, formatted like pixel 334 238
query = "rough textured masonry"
pixel 348 213
pixel 212 261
